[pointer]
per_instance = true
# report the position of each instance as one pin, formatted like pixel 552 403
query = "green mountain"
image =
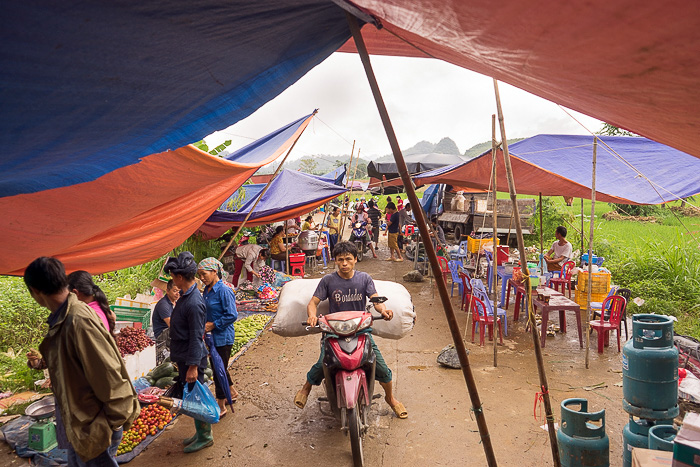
pixel 479 149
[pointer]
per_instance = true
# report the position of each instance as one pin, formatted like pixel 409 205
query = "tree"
pixel 611 130
pixel 308 165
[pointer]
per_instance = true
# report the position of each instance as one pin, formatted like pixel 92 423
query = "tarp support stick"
pixel 494 257
pixel 250 213
pixel 342 205
pixel 429 248
pixel 590 253
pixel 523 264
pixel 542 262
pixel 582 236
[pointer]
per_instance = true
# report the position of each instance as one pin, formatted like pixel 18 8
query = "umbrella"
pixel 219 369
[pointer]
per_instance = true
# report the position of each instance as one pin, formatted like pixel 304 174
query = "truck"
pixel 478 215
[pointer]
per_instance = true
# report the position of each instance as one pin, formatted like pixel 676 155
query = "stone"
pixel 448 357
pixel 413 276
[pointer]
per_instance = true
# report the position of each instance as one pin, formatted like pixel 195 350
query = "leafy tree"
pixel 308 165
pixel 611 130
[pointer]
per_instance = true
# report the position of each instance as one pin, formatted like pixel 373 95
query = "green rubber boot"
pixel 190 440
pixel 204 438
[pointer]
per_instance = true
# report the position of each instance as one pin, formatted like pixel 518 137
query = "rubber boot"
pixel 204 437
pixel 189 440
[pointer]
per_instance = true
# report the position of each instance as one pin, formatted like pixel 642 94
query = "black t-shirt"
pixel 374 215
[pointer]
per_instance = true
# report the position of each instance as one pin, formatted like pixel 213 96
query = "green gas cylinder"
pixel 661 437
pixel 636 435
pixel 650 369
pixel 581 442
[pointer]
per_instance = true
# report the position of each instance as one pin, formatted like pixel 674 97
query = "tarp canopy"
pixel 291 194
pixel 337 175
pixel 417 163
pixel 629 170
pixel 429 201
pixel 131 215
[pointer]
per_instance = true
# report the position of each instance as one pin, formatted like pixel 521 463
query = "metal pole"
pixel 523 263
pixel 429 249
pixel 240 227
pixel 590 250
pixel 494 258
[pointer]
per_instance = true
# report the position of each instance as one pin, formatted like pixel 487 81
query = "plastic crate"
pixel 600 287
pixel 133 314
pixel 476 244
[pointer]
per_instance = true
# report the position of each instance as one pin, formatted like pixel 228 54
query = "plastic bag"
pixel 141 384
pixel 199 403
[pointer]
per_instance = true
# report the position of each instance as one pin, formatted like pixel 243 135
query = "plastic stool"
pixel 296 264
pixel 408 230
pixel 278 262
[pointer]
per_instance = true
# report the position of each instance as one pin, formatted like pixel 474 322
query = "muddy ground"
pixel 267 429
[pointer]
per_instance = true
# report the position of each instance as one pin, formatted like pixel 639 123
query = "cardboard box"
pixel 686 446
pixel 648 458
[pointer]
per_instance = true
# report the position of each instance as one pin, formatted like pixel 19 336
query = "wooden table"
pixel 561 304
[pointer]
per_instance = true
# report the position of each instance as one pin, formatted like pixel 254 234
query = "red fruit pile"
pixel 132 340
pixel 152 419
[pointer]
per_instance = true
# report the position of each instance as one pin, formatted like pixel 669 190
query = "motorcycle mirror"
pixel 378 299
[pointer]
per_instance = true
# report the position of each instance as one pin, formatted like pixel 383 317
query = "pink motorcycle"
pixel 348 368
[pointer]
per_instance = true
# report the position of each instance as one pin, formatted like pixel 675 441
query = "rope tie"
pixel 539 399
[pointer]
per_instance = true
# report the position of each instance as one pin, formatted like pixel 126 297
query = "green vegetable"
pixel 162 371
pixel 208 372
pixel 163 383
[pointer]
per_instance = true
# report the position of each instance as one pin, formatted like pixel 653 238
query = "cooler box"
pixel 502 256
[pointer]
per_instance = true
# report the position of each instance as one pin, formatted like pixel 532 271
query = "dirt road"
pixel 267 429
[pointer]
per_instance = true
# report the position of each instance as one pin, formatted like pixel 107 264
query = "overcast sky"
pixel 427 99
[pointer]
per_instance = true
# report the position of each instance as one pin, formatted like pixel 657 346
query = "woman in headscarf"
pixel 221 314
pixel 187 348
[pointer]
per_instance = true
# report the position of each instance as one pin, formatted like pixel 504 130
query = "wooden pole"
pixel 544 386
pixel 590 251
pixel 494 258
pixel 352 186
pixel 250 213
pixel 582 245
pixel 429 249
pixel 286 249
pixel 341 227
pixel 542 263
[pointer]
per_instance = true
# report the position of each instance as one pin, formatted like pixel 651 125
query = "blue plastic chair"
pixel 479 291
pixel 454 270
pixel 462 252
pixel 278 265
pixel 489 270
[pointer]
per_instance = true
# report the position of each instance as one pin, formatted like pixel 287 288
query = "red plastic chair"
pixel 444 267
pixel 616 304
pixel 466 289
pixel 564 278
pixel 479 316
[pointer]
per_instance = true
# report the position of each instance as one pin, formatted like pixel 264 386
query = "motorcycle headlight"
pixel 367 322
pixel 357 225
pixel 344 328
pixel 324 327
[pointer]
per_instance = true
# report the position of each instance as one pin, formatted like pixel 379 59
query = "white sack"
pixel 295 295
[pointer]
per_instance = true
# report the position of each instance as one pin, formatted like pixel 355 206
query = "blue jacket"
pixel 187 329
pixel 221 310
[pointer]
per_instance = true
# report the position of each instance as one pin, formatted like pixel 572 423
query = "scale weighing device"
pixel 42 433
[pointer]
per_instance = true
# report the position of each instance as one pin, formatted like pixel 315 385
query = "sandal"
pixel 300 399
pixel 400 410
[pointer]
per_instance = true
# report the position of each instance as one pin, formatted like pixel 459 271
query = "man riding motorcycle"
pixel 348 290
pixel 361 216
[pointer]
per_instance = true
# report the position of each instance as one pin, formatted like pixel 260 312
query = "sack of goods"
pixel 295 295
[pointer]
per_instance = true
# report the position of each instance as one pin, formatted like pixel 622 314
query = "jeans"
pixel 382 373
pixel 106 459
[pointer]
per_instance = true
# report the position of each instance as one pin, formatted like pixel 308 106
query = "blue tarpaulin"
pixel 630 170
pixel 290 194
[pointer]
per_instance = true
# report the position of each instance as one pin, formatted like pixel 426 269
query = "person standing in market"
pixel 161 320
pixel 187 348
pixel 405 218
pixel 221 314
pixel 374 215
pixel 95 401
pixel 334 226
pixel 83 286
pixel 251 257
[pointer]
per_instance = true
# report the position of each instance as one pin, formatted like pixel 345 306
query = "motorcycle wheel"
pixel 356 437
pixel 359 251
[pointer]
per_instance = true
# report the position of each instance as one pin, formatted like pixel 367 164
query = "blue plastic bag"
pixel 141 384
pixel 199 403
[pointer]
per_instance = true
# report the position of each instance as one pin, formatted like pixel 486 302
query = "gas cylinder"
pixel 661 437
pixel 582 443
pixel 650 369
pixel 636 435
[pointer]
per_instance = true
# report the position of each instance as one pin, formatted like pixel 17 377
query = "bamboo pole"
pixel 582 245
pixel 250 213
pixel 523 263
pixel 542 262
pixel 352 186
pixel 286 247
pixel 341 227
pixel 494 257
pixel 429 249
pixel 590 251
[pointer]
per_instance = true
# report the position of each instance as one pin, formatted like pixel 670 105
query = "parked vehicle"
pixel 359 238
pixel 348 367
